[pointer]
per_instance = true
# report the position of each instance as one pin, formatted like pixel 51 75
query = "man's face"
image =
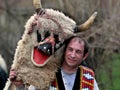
pixel 74 52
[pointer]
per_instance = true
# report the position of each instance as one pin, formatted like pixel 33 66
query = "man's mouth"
pixel 71 60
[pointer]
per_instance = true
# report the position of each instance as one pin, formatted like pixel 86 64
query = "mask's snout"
pixel 45 48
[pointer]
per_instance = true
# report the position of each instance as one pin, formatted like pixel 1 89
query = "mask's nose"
pixel 49 45
pixel 46 48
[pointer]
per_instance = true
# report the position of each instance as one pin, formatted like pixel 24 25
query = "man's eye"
pixel 70 49
pixel 79 52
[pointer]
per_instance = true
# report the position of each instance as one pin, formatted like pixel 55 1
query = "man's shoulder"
pixel 87 78
pixel 84 68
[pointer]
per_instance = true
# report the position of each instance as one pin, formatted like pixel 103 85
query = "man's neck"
pixel 69 70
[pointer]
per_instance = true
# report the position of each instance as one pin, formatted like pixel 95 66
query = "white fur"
pixel 3 64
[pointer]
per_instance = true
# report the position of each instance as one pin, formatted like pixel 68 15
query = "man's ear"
pixel 85 56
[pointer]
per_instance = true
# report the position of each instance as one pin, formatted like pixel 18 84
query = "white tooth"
pixel 44 47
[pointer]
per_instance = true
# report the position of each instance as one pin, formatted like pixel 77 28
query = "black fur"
pixel 3 78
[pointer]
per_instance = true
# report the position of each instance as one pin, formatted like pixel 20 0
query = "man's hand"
pixel 12 78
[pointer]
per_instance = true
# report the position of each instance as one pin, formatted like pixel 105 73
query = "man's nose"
pixel 73 54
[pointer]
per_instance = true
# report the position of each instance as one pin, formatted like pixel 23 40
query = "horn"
pixel 37 5
pixel 87 24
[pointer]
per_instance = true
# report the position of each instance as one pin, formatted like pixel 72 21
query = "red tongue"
pixel 39 57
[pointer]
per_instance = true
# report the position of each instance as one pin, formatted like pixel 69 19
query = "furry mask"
pixel 39 52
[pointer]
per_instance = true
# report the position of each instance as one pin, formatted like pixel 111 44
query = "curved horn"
pixel 87 24
pixel 37 5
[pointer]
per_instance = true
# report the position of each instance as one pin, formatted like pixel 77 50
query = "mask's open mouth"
pixel 45 49
pixel 39 58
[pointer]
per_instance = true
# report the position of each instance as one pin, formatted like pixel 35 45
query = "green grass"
pixel 108 75
pixel 116 74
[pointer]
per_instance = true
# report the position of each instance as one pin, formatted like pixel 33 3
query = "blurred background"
pixel 103 36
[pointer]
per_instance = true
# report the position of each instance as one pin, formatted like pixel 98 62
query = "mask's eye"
pixel 47 34
pixel 38 36
pixel 56 38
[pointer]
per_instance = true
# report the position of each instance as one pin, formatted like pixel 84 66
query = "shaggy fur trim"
pixel 41 77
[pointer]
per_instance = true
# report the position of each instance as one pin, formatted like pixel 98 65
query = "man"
pixel 71 75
